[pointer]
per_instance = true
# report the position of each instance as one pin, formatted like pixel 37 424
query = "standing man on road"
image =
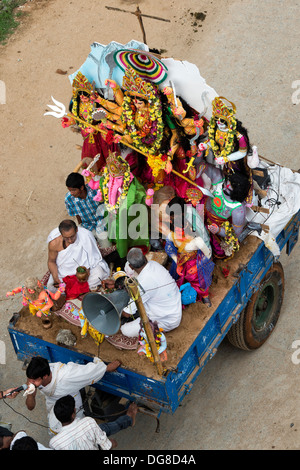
pixel 55 380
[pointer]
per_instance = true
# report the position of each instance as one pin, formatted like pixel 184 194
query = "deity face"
pixel 139 103
pixel 222 124
pixel 84 98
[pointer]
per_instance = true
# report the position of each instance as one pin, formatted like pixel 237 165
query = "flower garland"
pixel 144 342
pixel 87 109
pixel 157 163
pixel 125 187
pixel 227 150
pixel 150 142
pixel 231 243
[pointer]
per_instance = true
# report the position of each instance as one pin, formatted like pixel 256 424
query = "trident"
pixel 59 111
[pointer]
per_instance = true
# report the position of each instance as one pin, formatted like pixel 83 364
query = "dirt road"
pixel 249 53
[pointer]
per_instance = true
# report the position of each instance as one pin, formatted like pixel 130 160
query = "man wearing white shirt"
pixel 57 379
pixel 85 433
pixel 159 293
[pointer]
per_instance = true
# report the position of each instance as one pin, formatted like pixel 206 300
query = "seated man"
pixel 69 247
pixel 80 202
pixel 159 292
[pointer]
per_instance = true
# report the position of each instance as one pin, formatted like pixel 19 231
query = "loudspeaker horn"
pixel 103 311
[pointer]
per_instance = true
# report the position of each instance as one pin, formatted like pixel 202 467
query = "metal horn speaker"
pixel 103 311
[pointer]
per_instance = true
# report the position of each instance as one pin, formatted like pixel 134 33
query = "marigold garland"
pixel 143 339
pixel 150 142
pixel 125 187
pixel 230 238
pixel 87 108
pixel 227 150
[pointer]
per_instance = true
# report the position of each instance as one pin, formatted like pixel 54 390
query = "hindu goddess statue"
pixel 119 189
pixel 82 106
pixel 229 141
pixel 136 115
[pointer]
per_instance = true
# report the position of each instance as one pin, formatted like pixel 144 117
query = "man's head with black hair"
pixel 64 409
pixel 25 443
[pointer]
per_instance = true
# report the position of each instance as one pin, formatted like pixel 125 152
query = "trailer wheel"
pixel 258 320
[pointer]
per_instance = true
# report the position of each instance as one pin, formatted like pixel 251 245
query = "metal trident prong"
pixel 59 110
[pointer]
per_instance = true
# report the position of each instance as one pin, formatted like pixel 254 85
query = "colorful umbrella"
pixel 144 63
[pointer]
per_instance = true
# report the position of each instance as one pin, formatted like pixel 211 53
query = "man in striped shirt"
pixel 85 433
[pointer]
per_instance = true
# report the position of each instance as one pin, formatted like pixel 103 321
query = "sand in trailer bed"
pixel 194 318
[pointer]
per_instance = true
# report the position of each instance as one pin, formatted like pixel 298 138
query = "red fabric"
pixel 98 146
pixel 74 288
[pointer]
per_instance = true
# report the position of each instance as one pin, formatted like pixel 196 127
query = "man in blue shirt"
pixel 79 202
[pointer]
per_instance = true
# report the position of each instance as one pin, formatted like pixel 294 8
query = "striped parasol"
pixel 144 63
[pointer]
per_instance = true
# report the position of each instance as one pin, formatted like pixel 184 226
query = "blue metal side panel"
pixel 123 383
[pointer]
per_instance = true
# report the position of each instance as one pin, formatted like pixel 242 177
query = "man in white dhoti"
pixel 56 380
pixel 159 293
pixel 69 247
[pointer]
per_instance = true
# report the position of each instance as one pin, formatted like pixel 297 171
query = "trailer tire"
pixel 259 318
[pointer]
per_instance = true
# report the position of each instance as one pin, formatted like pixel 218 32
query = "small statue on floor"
pixel 37 297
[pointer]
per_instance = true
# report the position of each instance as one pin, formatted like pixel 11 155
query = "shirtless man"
pixel 70 246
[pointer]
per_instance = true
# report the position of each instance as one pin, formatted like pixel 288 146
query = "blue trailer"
pixel 246 315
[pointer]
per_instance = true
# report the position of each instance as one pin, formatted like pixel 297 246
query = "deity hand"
pixel 179 111
pixel 202 146
pixel 213 228
pixel 167 90
pixel 220 160
pixel 89 130
pixel 117 138
pixel 110 83
pixel 65 122
pixel 198 123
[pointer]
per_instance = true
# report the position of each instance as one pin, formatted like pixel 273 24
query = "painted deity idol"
pixel 228 141
pixel 136 116
pixel 225 211
pixel 188 245
pixel 123 195
pixel 95 139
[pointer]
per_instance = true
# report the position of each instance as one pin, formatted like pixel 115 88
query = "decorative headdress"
pixel 116 165
pixel 81 83
pixel 135 85
pixel 221 111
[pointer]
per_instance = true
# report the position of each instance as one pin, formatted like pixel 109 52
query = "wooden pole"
pixel 135 294
pixel 138 14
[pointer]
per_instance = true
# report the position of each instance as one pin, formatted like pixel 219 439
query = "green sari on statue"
pixel 127 224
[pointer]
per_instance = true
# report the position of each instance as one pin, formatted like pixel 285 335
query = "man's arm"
pixel 52 255
pixel 5 392
pixel 239 219
pixel 30 401
pixel 78 219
